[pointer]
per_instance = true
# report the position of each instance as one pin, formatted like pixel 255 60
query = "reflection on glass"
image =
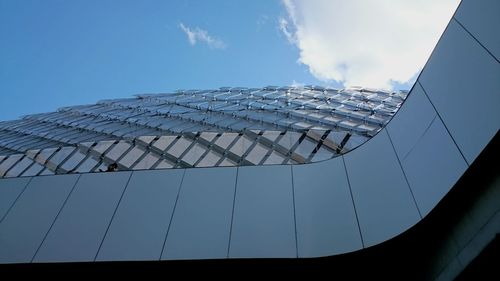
pixel 179 147
pixel 194 154
pixel 117 150
pixel 72 162
pixel 132 156
pixel 87 165
pixel 147 162
pixel 59 157
pixel 209 160
pixel 257 153
pixel 19 167
pixel 33 170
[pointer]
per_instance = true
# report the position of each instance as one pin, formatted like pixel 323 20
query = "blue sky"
pixel 56 53
pixel 59 53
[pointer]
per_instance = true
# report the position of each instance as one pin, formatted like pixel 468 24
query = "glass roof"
pixel 196 128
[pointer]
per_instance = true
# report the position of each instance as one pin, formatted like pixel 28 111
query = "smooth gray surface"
pixel 9 190
pixel 326 221
pixel 461 79
pixel 433 167
pixel 138 229
pixel 202 219
pixel 481 18
pixel 411 121
pixel 25 226
pixel 263 220
pixel 80 227
pixel 381 195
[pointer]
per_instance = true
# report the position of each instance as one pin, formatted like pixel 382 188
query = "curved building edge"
pixel 351 202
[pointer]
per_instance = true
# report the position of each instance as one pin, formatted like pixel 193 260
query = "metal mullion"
pixel 272 145
pixel 101 157
pixel 232 156
pixel 59 168
pixel 208 145
pixel 318 145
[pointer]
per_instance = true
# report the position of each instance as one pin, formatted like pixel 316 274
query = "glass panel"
pixel 164 164
pixel 19 167
pixel 225 139
pixel 147 162
pixel 87 165
pixel 289 139
pixel 335 137
pixel 44 155
pixel 209 160
pixel 31 153
pixel 322 154
pixel 46 172
pixel 146 139
pixel 194 154
pixel 118 150
pixel 73 161
pixel 132 156
pixel 305 148
pixel 227 162
pixel 209 136
pixel 271 135
pixel 33 170
pixel 274 158
pixel 163 142
pixel 257 153
pixel 179 147
pixel 102 146
pixel 242 145
pixel 58 157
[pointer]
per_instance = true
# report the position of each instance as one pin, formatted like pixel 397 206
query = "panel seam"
pixel 294 214
pixel 444 124
pixel 113 216
pixel 15 201
pixel 232 214
pixel 474 37
pixel 419 138
pixel 402 170
pixel 353 204
pixel 55 219
pixel 172 215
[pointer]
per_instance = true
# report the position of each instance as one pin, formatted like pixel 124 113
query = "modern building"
pixel 291 177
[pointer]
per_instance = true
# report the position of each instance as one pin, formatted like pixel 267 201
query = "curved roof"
pixel 196 128
pixel 357 200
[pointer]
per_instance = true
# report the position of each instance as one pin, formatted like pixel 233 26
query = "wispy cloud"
pixel 363 42
pixel 197 34
pixel 285 29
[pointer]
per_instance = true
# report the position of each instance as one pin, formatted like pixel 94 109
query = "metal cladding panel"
pixel 326 220
pixel 9 191
pixel 25 226
pixel 202 220
pixel 412 121
pixel 481 19
pixel 140 224
pixel 80 227
pixel 263 219
pixel 468 103
pixel 382 198
pixel 433 166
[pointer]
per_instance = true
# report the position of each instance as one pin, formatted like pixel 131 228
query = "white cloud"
pixel 285 28
pixel 199 35
pixel 296 84
pixel 372 43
